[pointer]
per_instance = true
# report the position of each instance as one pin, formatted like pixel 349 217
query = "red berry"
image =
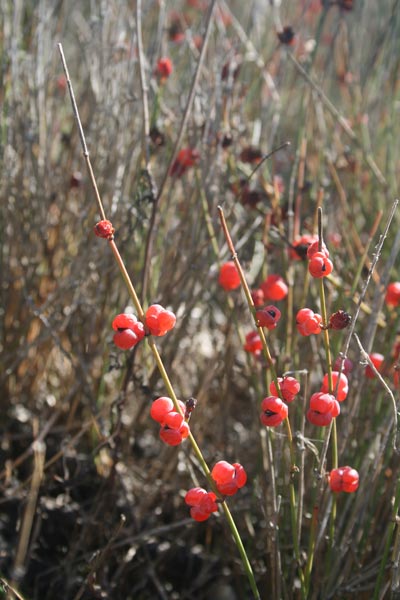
pixel 308 322
pixel 228 478
pixel 229 277
pixel 298 250
pixel 186 158
pixel 317 418
pixel 340 389
pixel 125 339
pixel 253 343
pixel 258 297
pixel 377 360
pixel 335 412
pixel 274 411
pixel 173 420
pixel 343 479
pixel 173 437
pixel 159 320
pixel 268 317
pixel 274 288
pixel 340 320
pixel 124 321
pixel 347 365
pixel 202 503
pixel 313 248
pixel 184 430
pixel 392 297
pixel 164 67
pixel 104 229
pixel 322 402
pixel 289 387
pixel 320 265
pixel 129 331
pixel 160 408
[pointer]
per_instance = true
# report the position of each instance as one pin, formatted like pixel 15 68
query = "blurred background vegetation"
pixel 92 502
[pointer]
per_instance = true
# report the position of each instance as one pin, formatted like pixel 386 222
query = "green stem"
pixel 393 523
pixel 311 545
pixel 333 430
pixel 241 549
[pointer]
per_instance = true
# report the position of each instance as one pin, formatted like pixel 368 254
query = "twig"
pixel 365 357
pixel 30 510
pixel 266 157
pixel 81 134
pixel 341 120
pixel 10 588
pixel 178 142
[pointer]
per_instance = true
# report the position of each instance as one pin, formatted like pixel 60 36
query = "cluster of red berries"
pixel 228 480
pixel 274 409
pixel 129 331
pixel 173 428
pixel 202 503
pixel 343 479
pixel 308 322
pixel 325 406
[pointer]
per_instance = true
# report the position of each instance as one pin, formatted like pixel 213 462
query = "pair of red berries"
pixel 319 263
pixel 274 409
pixel 174 429
pixel 129 331
pixel 323 408
pixel 343 479
pixel 228 480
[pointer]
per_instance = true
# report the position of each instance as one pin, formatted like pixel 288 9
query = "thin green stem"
pixel 332 430
pixel 241 549
pixel 393 523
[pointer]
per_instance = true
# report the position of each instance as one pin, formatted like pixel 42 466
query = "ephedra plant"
pixel 312 530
